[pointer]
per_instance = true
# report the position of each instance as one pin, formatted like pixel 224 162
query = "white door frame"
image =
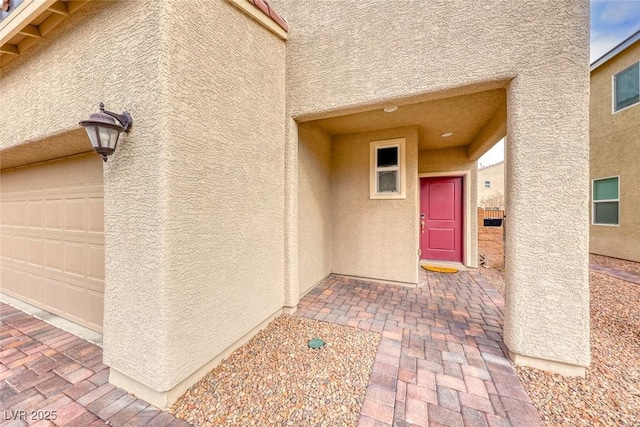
pixel 466 205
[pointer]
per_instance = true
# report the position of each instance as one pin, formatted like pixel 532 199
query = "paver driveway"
pixel 441 360
pixel 47 370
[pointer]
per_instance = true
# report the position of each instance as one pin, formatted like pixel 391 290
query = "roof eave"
pixel 616 50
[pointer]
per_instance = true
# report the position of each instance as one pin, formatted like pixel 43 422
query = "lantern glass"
pixel 103 136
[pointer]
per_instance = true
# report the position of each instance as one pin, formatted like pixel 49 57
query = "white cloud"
pixel 493 156
pixel 603 44
pixel 612 22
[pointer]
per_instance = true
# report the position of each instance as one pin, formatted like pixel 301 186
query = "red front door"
pixel 441 219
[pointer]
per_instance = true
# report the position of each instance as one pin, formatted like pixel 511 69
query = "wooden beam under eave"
pixel 5 59
pixel 60 8
pixel 50 23
pixel 11 49
pixel 31 31
pixel 27 43
pixel 74 5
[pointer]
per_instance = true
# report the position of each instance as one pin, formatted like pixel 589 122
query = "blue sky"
pixel 612 21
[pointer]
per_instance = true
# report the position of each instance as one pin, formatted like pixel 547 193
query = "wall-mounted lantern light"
pixel 104 129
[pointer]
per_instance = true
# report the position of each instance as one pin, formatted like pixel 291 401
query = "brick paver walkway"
pixel 628 276
pixel 441 360
pixel 45 369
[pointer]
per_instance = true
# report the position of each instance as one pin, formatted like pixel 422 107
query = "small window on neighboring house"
pixel 606 201
pixel 387 177
pixel 487 184
pixel 626 88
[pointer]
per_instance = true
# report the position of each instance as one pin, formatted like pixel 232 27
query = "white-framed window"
pixel 626 87
pixel 487 184
pixel 387 169
pixel 606 201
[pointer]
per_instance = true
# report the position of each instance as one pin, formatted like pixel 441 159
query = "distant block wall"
pixel 490 243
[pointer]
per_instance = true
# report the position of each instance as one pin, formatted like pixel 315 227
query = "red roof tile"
pixel 268 10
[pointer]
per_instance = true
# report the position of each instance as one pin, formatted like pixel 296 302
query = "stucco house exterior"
pixel 265 155
pixel 615 149
pixel 491 186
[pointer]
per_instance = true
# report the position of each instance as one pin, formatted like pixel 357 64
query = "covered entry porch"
pixel 382 189
pixel 350 220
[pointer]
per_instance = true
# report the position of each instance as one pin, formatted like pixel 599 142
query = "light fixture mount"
pixel 104 129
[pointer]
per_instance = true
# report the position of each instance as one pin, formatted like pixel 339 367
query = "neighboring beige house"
pixel 615 152
pixel 262 160
pixel 491 186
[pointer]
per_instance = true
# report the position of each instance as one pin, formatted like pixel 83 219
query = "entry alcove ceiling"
pixel 464 115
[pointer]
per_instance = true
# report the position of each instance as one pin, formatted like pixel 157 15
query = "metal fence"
pixel 493 217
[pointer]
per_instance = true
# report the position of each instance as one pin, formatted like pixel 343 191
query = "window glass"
pixel 627 87
pixel 387 169
pixel 387 182
pixel 605 189
pixel 387 157
pixel 487 184
pixel 606 213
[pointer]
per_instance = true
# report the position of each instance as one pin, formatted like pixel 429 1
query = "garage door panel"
pixel 6 279
pixel 36 214
pixel 20 214
pixel 53 254
pixel 96 307
pixel 96 214
pixel 75 301
pixel 19 182
pixel 74 258
pixel 52 237
pixel 20 283
pixel 37 177
pixel 20 249
pixel 95 267
pixel 55 295
pixel 53 214
pixel 6 211
pixel 36 287
pixel 36 251
pixel 54 173
pixel 74 214
pixel 6 246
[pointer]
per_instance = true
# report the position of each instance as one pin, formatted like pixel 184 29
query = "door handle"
pixel 422 226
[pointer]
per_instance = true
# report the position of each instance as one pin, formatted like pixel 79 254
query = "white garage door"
pixel 52 237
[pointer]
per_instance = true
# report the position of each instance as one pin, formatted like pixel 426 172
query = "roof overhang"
pixel 616 50
pixel 29 22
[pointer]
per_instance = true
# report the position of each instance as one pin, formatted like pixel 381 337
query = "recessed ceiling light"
pixel 390 108
pixel 447 134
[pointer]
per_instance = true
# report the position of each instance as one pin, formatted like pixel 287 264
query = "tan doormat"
pixel 440 269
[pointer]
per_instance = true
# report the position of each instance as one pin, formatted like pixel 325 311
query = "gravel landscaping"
pixel 275 379
pixel 621 264
pixel 609 394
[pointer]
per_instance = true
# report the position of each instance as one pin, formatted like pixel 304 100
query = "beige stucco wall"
pixel 493 196
pixel 315 205
pixel 336 65
pixel 614 140
pixel 455 159
pixel 110 53
pixel 194 197
pixel 373 238
pixel 223 195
